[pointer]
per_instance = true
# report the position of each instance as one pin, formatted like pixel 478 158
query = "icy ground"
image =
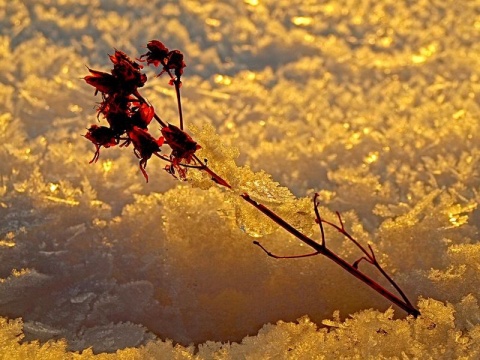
pixel 373 104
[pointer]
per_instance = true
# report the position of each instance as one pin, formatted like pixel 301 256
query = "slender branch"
pixel 405 305
pixel 341 229
pixel 215 177
pixel 318 219
pixel 284 257
pixel 393 283
pixel 177 83
pixel 322 249
pixel 357 262
pixel 369 257
pixel 371 251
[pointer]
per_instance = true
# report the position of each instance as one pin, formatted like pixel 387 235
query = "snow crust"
pixel 373 104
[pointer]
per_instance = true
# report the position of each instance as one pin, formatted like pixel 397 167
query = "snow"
pixel 372 104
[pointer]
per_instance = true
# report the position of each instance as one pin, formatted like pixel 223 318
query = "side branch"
pixel 369 257
pixel 283 257
pixel 320 248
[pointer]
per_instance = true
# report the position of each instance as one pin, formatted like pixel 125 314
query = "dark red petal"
pixel 160 141
pixel 156 46
pixel 144 143
pixel 157 53
pixel 146 113
pixel 120 56
pixel 103 82
pixel 101 135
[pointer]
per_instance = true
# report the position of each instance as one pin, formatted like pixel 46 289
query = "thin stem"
pixel 369 257
pixel 284 257
pixel 319 219
pixel 357 262
pixel 167 159
pixel 177 83
pixel 342 230
pixel 215 177
pixel 405 305
pixel 393 283
pixel 322 249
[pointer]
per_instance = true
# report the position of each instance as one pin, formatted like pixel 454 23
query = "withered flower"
pixel 124 79
pixel 175 62
pixel 159 54
pixel 183 148
pixel 101 136
pixel 102 81
pixel 145 145
pixel 142 115
pixel 127 72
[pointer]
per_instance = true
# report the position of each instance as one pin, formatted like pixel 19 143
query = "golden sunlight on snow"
pixel 373 105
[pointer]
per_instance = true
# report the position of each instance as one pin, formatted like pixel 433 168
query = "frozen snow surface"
pixel 372 104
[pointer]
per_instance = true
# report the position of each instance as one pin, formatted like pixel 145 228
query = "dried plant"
pixel 129 115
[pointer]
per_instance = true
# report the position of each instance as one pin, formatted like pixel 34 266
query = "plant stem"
pixel 332 256
pixel 404 304
pixel 177 83
pixel 215 177
pixel 322 249
pixel 369 257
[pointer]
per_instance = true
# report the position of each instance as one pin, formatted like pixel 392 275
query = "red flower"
pixel 127 72
pixel 101 136
pixel 102 81
pixel 159 54
pixel 114 103
pixel 118 111
pixel 143 115
pixel 183 146
pixel 175 62
pixel 145 146
pixel 124 79
pixel 120 57
pixel 122 113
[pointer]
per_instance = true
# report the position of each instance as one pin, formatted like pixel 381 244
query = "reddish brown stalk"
pixel 322 249
pixel 215 177
pixel 369 257
pixel 177 83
